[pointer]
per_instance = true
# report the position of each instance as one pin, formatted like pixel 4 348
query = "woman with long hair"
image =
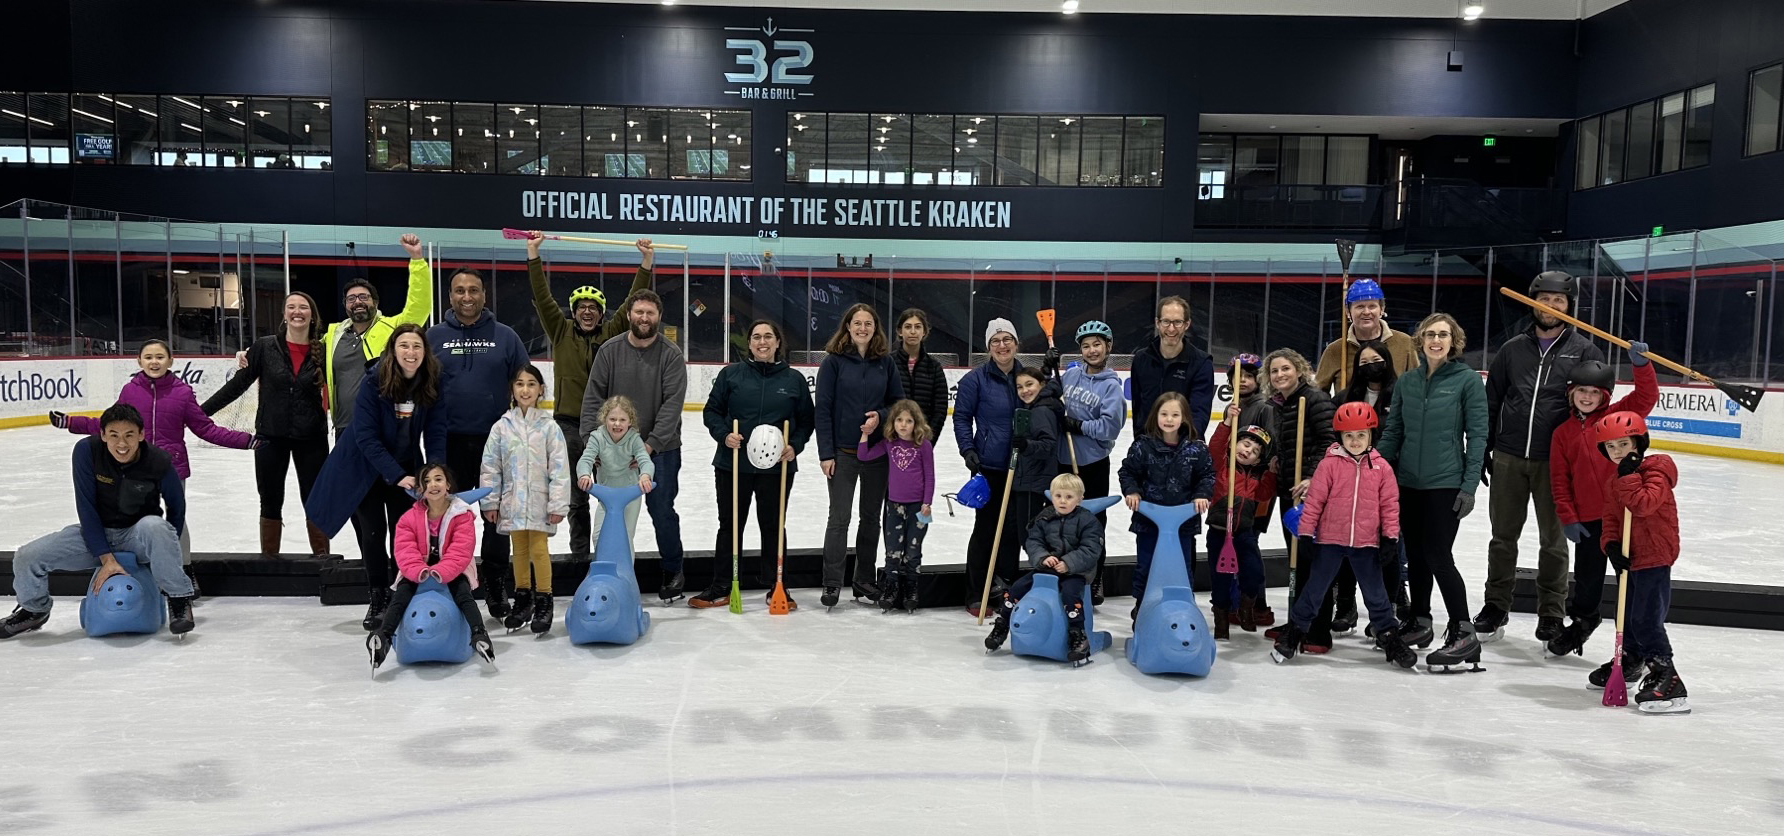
pixel 857 382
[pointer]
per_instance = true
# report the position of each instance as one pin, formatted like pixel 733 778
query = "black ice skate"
pixel 1490 624
pixel 891 588
pixel 1417 632
pixel 1396 650
pixel 1288 643
pixel 865 592
pixel 179 617
pixel 768 598
pixel 1662 692
pixel 671 588
pixel 1573 637
pixel 483 647
pixel 542 613
pixel 22 621
pixel 374 612
pixel 910 592
pixel 522 612
pixel 495 598
pixel 1077 646
pixel 1632 671
pixel 1344 620
pixel 1000 629
pixel 831 595
pixel 1460 647
pixel 377 647
pixel 1548 628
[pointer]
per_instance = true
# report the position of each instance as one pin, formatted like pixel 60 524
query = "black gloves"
pixel 1050 362
pixel 58 419
pixel 1630 463
pixel 1576 532
pixel 1486 469
pixel 1464 504
pixel 1613 554
pixel 1019 443
pixel 1389 553
pixel 972 461
pixel 1074 426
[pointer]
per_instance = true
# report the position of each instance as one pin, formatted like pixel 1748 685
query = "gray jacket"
pixel 654 378
pixel 1076 538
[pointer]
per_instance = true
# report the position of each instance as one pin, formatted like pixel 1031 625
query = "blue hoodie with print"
pixel 477 361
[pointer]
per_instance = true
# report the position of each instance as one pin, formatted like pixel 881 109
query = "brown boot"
pixel 269 536
pixel 1220 624
pixel 318 542
pixel 1247 613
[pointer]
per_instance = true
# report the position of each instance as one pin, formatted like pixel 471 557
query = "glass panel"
pixel 1240 311
pixel 1347 160
pixel 1697 126
pixel 14 135
pixel 95 129
pixel 1078 296
pixel 182 138
pixel 1304 163
pixel 430 136
pixel 473 137
pixel 49 128
pixel 1214 166
pixel 1144 151
pixel 312 136
pixel 144 261
pixel 932 149
pixel 731 145
pixel 1641 142
pixel 1762 109
pixel 139 127
pixel 845 156
pixel 1585 164
pixel 647 142
pixel 604 142
pixel 1017 150
pixel 1101 160
pixel 1610 147
pixel 805 147
pixel 892 147
pixel 269 135
pixel 944 294
pixel 690 138
pixel 1255 163
pixel 225 132
pixel 1129 303
pixel 560 127
pixel 1059 151
pixel 95 264
pixel 974 151
pixel 1672 131
pixel 517 139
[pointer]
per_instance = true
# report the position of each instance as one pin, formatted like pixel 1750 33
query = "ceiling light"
pixel 972 139
pixel 668 2
pixel 1069 7
pixel 1473 11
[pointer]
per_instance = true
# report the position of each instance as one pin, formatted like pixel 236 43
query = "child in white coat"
pixel 526 467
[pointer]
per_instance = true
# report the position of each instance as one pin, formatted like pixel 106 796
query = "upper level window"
pixel 234 131
pixel 1764 124
pixel 975 149
pixel 1657 136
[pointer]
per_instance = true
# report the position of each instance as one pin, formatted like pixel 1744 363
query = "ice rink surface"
pixel 264 720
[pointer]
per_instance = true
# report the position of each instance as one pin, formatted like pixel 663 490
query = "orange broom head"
pixel 1045 318
pixel 778 604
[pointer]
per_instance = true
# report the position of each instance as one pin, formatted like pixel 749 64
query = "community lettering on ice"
pixel 790 211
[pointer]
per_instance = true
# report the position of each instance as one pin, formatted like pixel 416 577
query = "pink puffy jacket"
pixel 1351 502
pixel 458 538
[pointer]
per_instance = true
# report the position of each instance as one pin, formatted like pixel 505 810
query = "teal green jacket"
pixel 1436 435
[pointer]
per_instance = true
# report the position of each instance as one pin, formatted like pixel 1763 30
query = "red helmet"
pixel 1355 416
pixel 1621 425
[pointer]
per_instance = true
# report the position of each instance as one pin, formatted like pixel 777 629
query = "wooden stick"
pixel 1294 543
pixel 736 529
pixel 778 602
pixel 614 242
pixel 1616 690
pixel 997 539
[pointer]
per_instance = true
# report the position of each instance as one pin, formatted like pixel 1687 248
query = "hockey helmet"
pixel 1594 374
pixel 1364 290
pixel 975 493
pixel 1555 281
pixel 1257 434
pixel 765 446
pixel 1355 416
pixel 1622 425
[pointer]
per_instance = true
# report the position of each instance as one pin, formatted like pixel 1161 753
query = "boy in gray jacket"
pixel 1065 540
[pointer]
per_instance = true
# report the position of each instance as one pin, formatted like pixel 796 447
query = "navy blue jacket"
pixel 477 362
pixel 108 494
pixel 1190 374
pixel 848 388
pixel 1166 474
pixel 984 407
pixel 378 445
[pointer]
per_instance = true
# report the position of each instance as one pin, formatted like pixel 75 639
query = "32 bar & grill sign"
pixel 772 63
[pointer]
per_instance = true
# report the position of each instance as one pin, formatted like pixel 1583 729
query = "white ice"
pixel 264 720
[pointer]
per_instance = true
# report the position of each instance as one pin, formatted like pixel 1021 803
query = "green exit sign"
pixel 1489 141
pixel 1658 231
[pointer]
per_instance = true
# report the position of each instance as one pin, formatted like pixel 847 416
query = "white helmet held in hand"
pixel 764 446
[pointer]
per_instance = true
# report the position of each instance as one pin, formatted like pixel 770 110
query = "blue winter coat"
pixel 1095 400
pixel 378 445
pixel 848 388
pixel 477 363
pixel 984 407
pixel 1166 474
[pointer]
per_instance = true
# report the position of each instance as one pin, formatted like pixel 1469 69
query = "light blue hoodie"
pixel 1095 400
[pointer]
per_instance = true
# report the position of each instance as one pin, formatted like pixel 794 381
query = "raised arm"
pixel 418 305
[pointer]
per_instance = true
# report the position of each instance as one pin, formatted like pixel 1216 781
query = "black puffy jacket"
pixel 1320 411
pixel 1036 467
pixel 290 404
pixel 1527 390
pixel 926 384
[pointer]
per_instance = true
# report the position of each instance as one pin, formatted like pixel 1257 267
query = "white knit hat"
pixel 996 325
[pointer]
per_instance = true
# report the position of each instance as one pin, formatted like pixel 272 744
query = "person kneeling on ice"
pixel 1644 559
pixel 434 540
pixel 1352 512
pixel 1065 540
pixel 1255 488
pixel 120 483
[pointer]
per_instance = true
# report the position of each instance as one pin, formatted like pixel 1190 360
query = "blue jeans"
pixel 1650 596
pixel 660 502
pixel 151 539
pixel 1250 580
pixel 1146 541
pixel 1319 579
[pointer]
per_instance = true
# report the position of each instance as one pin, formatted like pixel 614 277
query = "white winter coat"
pixel 526 466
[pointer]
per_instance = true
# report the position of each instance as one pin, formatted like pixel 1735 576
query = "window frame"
pixel 1666 154
pixel 1777 116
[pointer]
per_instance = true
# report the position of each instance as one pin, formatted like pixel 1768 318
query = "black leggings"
pixel 764 490
pixel 460 587
pixel 1428 524
pixel 271 461
pixel 464 454
pixel 376 520
pixel 1023 506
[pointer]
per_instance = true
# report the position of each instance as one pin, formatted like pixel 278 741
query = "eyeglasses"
pixel 1003 340
pixel 359 297
pixel 1436 335
pixel 1172 323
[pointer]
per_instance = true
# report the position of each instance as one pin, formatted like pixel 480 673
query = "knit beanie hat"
pixel 995 326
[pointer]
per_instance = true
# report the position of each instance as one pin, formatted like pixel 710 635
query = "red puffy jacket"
pixel 1257 487
pixel 1577 471
pixel 1648 494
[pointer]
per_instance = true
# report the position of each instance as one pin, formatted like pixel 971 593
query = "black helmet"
pixel 1555 281
pixel 1594 374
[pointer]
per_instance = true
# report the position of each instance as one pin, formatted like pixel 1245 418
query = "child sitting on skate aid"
pixel 1064 541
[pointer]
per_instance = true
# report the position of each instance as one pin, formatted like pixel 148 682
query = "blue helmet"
pixel 1364 290
pixel 975 493
pixel 1291 520
pixel 1095 328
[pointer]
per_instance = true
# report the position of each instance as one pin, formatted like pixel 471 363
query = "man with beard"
pixel 1526 400
pixel 478 359
pixel 1368 321
pixel 1170 364
pixel 350 346
pixel 650 372
pixel 574 339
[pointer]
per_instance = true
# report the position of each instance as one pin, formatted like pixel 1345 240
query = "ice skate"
pixel 22 621
pixel 1489 625
pixel 1222 630
pixel 1460 647
pixel 1344 620
pixel 483 647
pixel 1000 631
pixel 832 594
pixel 374 612
pixel 542 614
pixel 1632 670
pixel 1077 646
pixel 1574 636
pixel 1548 628
pixel 670 590
pixel 1288 643
pixel 1417 632
pixel 377 647
pixel 179 617
pixel 1396 650
pixel 910 592
pixel 891 587
pixel 769 600
pixel 522 612
pixel 495 598
pixel 1662 692
pixel 865 592
pixel 1246 616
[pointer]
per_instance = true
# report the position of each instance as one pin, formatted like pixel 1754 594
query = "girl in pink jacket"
pixel 435 540
pixel 1352 512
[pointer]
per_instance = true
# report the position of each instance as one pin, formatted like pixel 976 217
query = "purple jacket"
pixel 168 409
pixel 911 476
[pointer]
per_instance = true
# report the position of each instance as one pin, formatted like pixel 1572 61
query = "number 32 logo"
pixel 754 55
